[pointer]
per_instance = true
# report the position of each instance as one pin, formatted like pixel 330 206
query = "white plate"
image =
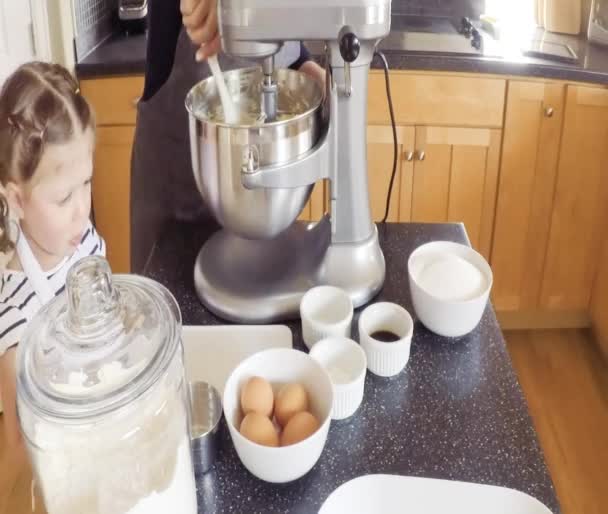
pixel 394 494
pixel 212 352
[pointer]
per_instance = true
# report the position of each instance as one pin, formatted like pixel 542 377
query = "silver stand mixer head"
pixel 257 268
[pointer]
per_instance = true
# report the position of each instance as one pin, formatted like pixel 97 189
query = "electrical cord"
pixel 379 54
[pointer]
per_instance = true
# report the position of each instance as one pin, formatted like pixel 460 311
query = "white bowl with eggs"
pixel 450 285
pixel 280 366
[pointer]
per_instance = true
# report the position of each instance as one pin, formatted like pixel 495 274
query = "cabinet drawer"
pixel 114 99
pixel 437 100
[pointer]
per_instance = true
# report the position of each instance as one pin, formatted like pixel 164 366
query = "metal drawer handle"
pixel 421 155
pixel 549 112
pixel 409 156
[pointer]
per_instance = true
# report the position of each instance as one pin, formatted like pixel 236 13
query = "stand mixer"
pixel 257 177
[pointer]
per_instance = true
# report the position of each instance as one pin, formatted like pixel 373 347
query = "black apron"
pixel 162 181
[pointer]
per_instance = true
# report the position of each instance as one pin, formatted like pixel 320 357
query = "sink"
pixel 434 24
pixel 429 42
pixel 394 494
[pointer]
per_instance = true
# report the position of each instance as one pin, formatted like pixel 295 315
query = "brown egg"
pixel 259 429
pixel 257 396
pixel 291 399
pixel 299 427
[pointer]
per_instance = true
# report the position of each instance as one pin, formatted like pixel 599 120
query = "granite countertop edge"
pixel 86 71
pixel 415 61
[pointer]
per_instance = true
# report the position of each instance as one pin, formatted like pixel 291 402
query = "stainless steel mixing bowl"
pixel 218 148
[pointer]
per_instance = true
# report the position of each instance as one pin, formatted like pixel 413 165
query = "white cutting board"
pixel 394 494
pixel 212 352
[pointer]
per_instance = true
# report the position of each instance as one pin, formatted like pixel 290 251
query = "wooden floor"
pixel 565 382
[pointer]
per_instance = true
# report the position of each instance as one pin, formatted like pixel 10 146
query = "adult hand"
pixel 314 71
pixel 200 19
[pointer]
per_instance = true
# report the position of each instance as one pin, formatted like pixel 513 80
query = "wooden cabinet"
pixel 455 178
pixel 580 209
pixel 448 150
pixel 530 152
pixel 317 203
pixel 111 193
pixel 437 99
pixel 114 101
pixel 533 202
pixel 380 153
pixel 443 174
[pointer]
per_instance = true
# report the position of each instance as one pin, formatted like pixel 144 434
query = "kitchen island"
pixel 456 412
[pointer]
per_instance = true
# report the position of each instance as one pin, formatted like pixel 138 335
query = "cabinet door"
pixel 525 194
pixel 380 154
pixel 111 193
pixel 455 178
pixel 580 210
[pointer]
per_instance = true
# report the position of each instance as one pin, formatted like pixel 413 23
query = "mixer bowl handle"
pixel 312 166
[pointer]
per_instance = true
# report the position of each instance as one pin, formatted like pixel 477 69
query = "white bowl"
pixel 346 363
pixel 450 318
pixel 325 311
pixel 280 366
pixel 386 359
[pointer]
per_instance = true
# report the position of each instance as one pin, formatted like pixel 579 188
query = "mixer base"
pixel 263 281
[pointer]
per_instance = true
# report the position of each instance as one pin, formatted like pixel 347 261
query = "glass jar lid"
pixel 98 346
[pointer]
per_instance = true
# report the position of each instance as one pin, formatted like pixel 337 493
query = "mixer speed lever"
pixel 349 50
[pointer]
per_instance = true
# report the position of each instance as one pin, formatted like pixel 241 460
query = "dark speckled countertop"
pixel 121 54
pixel 124 55
pixel 456 412
pixel 592 65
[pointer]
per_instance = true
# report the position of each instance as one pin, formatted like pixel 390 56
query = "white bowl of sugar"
pixel 450 284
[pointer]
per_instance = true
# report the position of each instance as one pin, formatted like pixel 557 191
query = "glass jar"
pixel 102 399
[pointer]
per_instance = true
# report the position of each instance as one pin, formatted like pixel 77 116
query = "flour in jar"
pixel 136 460
pixel 178 496
pixel 451 278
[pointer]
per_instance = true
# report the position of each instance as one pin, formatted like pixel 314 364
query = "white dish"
pixel 325 311
pixel 449 318
pixel 346 363
pixel 386 359
pixel 212 352
pixel 279 367
pixel 394 494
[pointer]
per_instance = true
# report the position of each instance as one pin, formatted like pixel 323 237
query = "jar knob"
pixel 91 297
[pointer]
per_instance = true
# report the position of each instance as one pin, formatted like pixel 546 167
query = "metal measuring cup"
pixel 206 413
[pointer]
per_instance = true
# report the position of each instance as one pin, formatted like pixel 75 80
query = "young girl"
pixel 47 132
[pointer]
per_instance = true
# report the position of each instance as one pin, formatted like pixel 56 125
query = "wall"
pixel 60 32
pixel 15 36
pixel 94 21
pixel 599 303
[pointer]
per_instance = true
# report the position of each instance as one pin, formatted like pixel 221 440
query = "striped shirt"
pixel 18 300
